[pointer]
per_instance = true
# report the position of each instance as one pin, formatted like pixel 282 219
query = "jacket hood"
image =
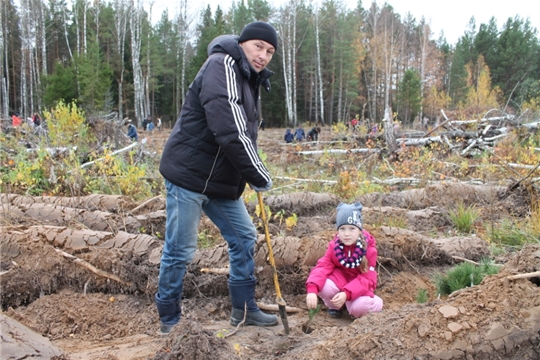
pixel 228 44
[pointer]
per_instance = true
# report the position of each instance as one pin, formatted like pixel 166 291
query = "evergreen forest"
pixel 333 62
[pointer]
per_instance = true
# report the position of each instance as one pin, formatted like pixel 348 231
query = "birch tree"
pixel 319 71
pixel 183 23
pixel 4 103
pixel 287 35
pixel 137 15
pixel 121 20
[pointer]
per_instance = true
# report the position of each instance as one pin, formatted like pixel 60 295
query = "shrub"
pixel 508 233
pixel 464 275
pixel 422 296
pixel 463 217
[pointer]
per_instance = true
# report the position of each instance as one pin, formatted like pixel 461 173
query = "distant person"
pixel 131 131
pixel 16 120
pixel 313 134
pixel 299 134
pixel 345 276
pixel 288 137
pixel 150 126
pixel 36 119
pixel 262 125
pixel 158 125
pixel 354 123
pixel 146 122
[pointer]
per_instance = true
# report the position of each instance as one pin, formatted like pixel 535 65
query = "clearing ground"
pixel 79 275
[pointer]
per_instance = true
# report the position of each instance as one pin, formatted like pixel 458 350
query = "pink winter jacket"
pixel 351 281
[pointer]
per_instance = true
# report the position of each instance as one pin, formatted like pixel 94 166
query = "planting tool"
pixel 279 299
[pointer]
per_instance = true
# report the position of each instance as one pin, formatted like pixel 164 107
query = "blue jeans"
pixel 183 215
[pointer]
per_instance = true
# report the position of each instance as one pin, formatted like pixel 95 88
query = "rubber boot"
pixel 169 314
pixel 242 294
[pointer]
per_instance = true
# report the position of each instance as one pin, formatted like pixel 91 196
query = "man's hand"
pixel 262 188
pixel 311 300
pixel 339 299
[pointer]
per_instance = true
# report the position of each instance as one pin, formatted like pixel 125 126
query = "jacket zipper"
pixel 211 171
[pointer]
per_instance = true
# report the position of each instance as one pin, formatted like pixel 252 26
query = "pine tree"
pixel 409 96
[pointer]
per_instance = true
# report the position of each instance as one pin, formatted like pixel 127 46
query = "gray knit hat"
pixel 349 214
pixel 259 30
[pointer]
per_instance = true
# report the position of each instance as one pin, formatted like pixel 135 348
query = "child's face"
pixel 349 234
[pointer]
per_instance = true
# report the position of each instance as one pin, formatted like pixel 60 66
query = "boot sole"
pixel 254 323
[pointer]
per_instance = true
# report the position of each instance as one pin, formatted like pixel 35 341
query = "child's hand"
pixel 339 299
pixel 311 300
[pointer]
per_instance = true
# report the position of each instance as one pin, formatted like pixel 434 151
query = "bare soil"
pixel 79 275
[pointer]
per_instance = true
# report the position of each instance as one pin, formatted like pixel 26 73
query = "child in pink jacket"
pixel 346 274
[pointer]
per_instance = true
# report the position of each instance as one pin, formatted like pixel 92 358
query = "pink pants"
pixel 357 307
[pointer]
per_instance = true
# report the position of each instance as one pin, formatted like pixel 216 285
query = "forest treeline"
pixel 333 62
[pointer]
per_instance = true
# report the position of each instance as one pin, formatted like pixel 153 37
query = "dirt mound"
pixel 88 287
pixel 191 341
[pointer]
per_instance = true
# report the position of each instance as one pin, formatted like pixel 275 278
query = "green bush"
pixel 422 296
pixel 463 217
pixel 464 275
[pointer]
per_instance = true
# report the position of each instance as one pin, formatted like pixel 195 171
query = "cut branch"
pixel 524 276
pixel 274 307
pixel 219 271
pixel 91 267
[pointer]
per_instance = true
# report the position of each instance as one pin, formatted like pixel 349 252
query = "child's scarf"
pixel 355 259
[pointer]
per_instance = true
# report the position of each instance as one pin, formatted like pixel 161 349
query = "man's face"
pixel 258 52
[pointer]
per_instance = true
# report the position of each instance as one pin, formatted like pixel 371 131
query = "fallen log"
pixel 338 151
pixel 416 141
pixel 307 180
pixel 112 154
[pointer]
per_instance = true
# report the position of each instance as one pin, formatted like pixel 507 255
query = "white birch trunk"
pixel 147 109
pixel 78 29
pixel 135 26
pixel 183 29
pixel 84 39
pixel 293 63
pixel 284 31
pixel 424 41
pixel 26 48
pixel 66 32
pixel 319 71
pixel 98 12
pixel 388 61
pixel 4 80
pixel 373 50
pixel 340 92
pixel 42 37
pixel 120 15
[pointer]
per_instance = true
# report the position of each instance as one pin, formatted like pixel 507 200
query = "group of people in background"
pixel 299 134
pixel 17 120
pixel 148 125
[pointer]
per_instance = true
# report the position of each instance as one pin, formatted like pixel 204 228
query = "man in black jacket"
pixel 207 161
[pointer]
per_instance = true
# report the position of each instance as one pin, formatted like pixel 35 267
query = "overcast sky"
pixel 450 16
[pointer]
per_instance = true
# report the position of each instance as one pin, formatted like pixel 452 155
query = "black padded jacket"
pixel 212 148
